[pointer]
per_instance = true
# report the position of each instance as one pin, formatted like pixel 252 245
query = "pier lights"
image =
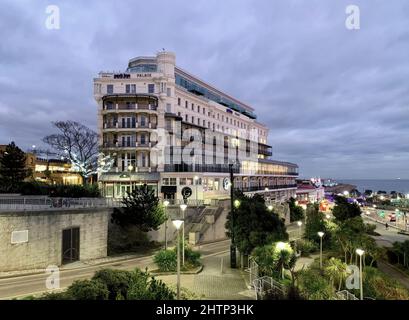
pixel 321 234
pixel 360 253
pixel 183 208
pixel 178 224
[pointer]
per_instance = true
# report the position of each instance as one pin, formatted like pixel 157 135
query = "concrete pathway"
pixel 216 281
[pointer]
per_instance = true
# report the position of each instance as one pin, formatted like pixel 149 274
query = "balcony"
pixel 131 144
pixel 129 108
pixel 270 188
pixel 136 125
pixel 223 168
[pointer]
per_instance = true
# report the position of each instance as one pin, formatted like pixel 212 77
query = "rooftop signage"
pixel 122 76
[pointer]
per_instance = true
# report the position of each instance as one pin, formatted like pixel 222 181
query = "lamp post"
pixel 299 223
pixel 177 224
pixel 165 204
pixel 196 180
pixel 232 246
pixel 360 252
pixel 321 234
pixel 270 207
pixel 183 208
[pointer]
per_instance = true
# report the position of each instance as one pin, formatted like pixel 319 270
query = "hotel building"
pixel 169 129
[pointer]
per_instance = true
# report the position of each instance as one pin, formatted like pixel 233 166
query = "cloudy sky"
pixel 336 100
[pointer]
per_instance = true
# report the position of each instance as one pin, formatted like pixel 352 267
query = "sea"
pixel 398 185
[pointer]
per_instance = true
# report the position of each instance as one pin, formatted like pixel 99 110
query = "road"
pixel 387 237
pixel 21 286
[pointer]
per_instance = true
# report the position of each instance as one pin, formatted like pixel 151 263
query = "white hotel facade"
pixel 169 129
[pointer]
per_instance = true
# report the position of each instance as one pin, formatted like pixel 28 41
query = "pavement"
pixel 213 282
pixel 387 236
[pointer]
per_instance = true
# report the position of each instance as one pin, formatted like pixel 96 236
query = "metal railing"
pixel 48 203
pixel 345 295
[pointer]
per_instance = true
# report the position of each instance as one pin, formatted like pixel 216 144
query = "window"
pixel 165 181
pixel 110 88
pixel 193 106
pixel 204 111
pixel 182 181
pixel 193 119
pixel 204 123
pixel 198 109
pixel 172 181
pixel 186 104
pixel 109 105
pixel 208 124
pixel 186 118
pixel 178 114
pixel 198 121
pixel 168 92
pixel 143 139
pixel 168 107
pixel 130 88
pixel 178 101
pixel 151 88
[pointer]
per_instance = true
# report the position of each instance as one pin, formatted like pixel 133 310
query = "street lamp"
pixel 346 193
pixel 130 167
pixel 299 223
pixel 177 224
pixel 360 252
pixel 233 245
pixel 183 208
pixel 236 203
pixel 196 180
pixel 270 207
pixel 165 204
pixel 320 234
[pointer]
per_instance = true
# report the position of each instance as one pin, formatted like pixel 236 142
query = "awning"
pixel 168 189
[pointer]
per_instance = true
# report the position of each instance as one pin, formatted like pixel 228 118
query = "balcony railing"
pixel 224 168
pixel 131 144
pixel 136 125
pixel 125 107
pixel 269 188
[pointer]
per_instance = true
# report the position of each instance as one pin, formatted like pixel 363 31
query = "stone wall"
pixel 44 244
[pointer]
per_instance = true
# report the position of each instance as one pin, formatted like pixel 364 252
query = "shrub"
pixel 88 290
pixel 379 286
pixel 56 296
pixel 192 257
pixel 166 260
pixel 59 190
pixel 116 281
pixel 313 286
pixel 143 288
pixel 306 246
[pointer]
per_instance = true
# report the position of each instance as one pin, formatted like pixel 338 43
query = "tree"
pixel 254 224
pixel 296 212
pixel 141 209
pixel 344 210
pixel 13 169
pixel 79 145
pixel 315 223
pixel 336 271
pixel 88 290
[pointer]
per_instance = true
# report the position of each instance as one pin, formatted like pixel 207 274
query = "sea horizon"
pixel 388 185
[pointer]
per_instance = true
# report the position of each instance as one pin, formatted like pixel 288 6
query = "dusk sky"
pixel 336 100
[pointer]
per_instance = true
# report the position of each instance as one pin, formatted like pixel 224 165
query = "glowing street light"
pixel 360 252
pixel 270 207
pixel 165 204
pixel 130 167
pixel 320 234
pixel 177 224
pixel 183 208
pixel 236 203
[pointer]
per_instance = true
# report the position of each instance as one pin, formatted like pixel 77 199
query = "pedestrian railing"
pixel 345 295
pixel 52 203
pixel 265 285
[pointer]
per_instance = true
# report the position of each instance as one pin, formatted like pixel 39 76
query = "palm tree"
pixel 336 270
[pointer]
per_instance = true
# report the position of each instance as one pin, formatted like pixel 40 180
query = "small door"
pixel 70 245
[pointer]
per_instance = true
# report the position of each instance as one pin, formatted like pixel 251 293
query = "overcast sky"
pixel 336 100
